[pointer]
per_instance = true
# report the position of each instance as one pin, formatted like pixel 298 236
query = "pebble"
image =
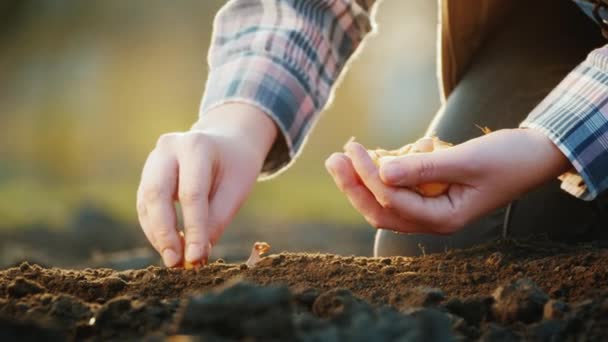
pixel 555 309
pixel 22 287
pixel 417 297
pixel 386 261
pixel 579 269
pixel 389 270
pixel 521 300
pixel 495 259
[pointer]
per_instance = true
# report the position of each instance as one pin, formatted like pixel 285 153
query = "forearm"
pixel 575 117
pixel 284 58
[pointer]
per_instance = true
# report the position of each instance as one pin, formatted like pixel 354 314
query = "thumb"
pixel 447 165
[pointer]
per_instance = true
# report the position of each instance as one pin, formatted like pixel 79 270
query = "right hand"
pixel 210 170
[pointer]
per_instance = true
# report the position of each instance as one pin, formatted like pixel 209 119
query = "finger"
pixel 226 200
pixel 451 165
pixel 406 203
pixel 142 216
pixel 223 207
pixel 157 188
pixel 195 175
pixel 347 180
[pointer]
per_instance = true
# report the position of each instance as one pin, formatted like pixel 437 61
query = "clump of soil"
pixel 506 290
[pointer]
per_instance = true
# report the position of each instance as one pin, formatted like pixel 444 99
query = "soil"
pixel 507 290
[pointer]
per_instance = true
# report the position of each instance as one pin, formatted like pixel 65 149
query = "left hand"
pixel 485 173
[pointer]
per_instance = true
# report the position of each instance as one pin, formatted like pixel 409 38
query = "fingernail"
pixel 193 252
pixel 170 258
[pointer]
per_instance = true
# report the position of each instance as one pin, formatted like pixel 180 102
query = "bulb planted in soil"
pixel 258 249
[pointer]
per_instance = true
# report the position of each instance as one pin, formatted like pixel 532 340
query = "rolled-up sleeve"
pixel 284 57
pixel 575 117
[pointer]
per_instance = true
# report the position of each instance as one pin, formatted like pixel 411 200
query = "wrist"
pixel 241 121
pixel 555 161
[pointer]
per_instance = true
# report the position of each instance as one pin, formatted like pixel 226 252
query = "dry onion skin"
pixel 423 145
pixel 259 249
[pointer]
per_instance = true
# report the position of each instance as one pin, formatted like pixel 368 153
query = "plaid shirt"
pixel 286 57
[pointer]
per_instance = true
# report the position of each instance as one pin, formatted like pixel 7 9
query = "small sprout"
pixel 259 249
pixel 423 145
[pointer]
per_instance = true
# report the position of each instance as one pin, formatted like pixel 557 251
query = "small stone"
pixel 478 278
pixel 495 259
pixel 579 269
pixel 521 300
pixel 416 297
pixel 22 287
pixel 306 297
pixel 277 260
pixel 473 310
pixel 334 303
pixel 114 284
pixel 555 309
pixel 389 270
pixel 24 267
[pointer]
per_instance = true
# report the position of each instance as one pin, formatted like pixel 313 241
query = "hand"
pixel 210 170
pixel 485 173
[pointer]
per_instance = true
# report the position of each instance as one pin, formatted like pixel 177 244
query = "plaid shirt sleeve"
pixel 575 117
pixel 284 57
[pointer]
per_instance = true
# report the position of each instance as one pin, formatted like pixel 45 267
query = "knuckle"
pixel 191 197
pixel 194 140
pixel 165 236
pixel 165 140
pixel 386 200
pixel 426 169
pixel 153 193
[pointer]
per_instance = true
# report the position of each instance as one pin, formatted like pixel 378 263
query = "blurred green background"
pixel 86 88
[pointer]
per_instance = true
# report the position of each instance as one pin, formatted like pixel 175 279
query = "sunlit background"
pixel 86 88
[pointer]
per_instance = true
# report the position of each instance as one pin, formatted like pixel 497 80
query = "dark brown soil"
pixel 503 291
